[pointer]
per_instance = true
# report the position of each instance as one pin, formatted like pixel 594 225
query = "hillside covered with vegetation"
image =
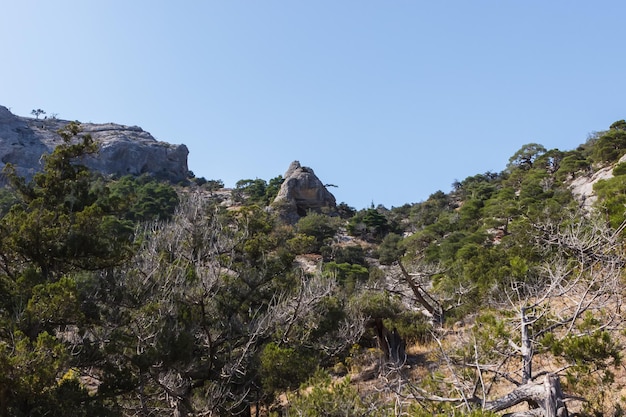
pixel 133 297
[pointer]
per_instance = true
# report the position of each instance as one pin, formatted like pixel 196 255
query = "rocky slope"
pixel 123 149
pixel 582 187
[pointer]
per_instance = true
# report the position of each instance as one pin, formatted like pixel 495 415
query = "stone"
pixel 301 192
pixel 123 150
pixel 582 186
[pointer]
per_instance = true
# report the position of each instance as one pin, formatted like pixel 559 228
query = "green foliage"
pixel 345 211
pixel 593 355
pixel 142 199
pixel 63 182
pixel 58 222
pixel 470 214
pixel 480 233
pixel 572 164
pixel 611 145
pixel 71 398
pixel 284 368
pixel 347 274
pixel 32 366
pixel 594 348
pixel 214 296
pixel 477 187
pixel 591 349
pixel 320 397
pixel 390 249
pixel 318 225
pixel 209 185
pixel 273 188
pixel 413 326
pixel 301 244
pixel 257 191
pixel 31 380
pixel 525 157
pixel 213 185
pixel 446 410
pixel 57 226
pixel 620 125
pixel 491 325
pixel 54 303
pixel 612 198
pixel 369 224
pixel 428 212
pixel 550 161
pixel 352 254
pixel 333 310
pixel 377 304
pixel 208 303
pixel 7 200
pixel 37 112
pixel 620 169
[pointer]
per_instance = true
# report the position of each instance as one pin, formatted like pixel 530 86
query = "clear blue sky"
pixel 389 100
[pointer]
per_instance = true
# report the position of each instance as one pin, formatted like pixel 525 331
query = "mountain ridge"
pixel 123 150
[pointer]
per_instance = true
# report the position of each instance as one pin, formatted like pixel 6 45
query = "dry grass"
pixel 425 359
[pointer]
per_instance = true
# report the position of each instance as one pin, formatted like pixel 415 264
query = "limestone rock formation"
pixel 301 192
pixel 582 187
pixel 124 150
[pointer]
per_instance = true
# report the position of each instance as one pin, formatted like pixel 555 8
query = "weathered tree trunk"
pixel 392 345
pixel 548 395
pixel 526 348
pixel 179 411
pixel 397 346
pixel 554 404
pixel 432 306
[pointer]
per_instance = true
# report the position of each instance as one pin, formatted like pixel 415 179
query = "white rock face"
pixel 124 150
pixel 582 187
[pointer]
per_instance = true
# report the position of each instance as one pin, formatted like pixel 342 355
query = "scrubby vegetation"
pixel 132 297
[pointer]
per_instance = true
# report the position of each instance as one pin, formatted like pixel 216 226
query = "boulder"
pixel 301 192
pixel 123 150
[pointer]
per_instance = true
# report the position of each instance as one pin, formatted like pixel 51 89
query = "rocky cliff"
pixel 123 149
pixel 582 187
pixel 301 192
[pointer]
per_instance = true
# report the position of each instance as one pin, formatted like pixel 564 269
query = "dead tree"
pixel 184 269
pixel 390 343
pixel 547 394
pixel 580 279
pixel 429 303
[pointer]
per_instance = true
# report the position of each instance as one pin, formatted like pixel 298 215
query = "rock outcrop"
pixel 582 187
pixel 123 150
pixel 301 192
